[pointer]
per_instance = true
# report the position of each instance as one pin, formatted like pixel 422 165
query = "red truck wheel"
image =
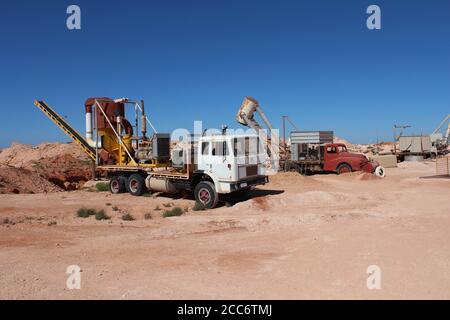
pixel 117 184
pixel 136 185
pixel 343 168
pixel 205 193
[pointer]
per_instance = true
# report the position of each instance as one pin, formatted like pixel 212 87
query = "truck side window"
pixel 220 148
pixel 205 148
pixel 331 149
pixel 238 147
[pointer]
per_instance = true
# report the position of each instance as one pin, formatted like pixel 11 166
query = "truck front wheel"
pixel 343 168
pixel 206 194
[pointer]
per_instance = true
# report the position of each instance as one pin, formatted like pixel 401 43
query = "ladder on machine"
pixel 66 128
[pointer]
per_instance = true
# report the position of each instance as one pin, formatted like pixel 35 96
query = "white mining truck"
pixel 207 165
pixel 214 164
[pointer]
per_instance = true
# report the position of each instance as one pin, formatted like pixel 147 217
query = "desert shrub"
pixel 173 212
pixel 85 212
pixel 157 208
pixel 101 215
pixel 6 221
pixel 147 216
pixel 198 206
pixel 127 217
pixel 102 186
pixel 51 223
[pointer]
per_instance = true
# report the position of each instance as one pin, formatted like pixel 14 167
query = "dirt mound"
pixel 294 181
pixel 65 171
pixel 62 164
pixel 368 176
pixel 24 156
pixel 18 180
pixel 358 175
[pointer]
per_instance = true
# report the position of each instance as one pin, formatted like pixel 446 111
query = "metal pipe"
pixel 143 122
pixel 89 125
pixel 148 121
pixel 96 136
pixel 89 130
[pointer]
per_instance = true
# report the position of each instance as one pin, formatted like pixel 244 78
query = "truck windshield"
pixel 246 146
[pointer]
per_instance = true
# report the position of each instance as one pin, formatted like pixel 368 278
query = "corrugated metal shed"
pixel 299 137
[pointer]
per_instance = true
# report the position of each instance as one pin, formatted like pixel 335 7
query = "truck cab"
pixel 231 162
pixel 329 157
pixel 338 159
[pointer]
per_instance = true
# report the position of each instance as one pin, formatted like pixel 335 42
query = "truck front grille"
pixel 252 170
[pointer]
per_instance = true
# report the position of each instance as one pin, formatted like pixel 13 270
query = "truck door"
pixel 330 158
pixel 204 157
pixel 221 160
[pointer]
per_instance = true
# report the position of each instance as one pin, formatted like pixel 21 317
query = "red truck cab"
pixel 338 159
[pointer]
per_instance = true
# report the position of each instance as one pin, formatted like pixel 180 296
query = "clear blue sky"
pixel 192 60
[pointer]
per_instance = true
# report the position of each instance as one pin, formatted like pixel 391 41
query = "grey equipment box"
pixel 415 144
pixel 300 141
pixel 317 137
pixel 161 146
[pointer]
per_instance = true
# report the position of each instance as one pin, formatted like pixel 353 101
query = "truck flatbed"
pixel 308 161
pixel 150 170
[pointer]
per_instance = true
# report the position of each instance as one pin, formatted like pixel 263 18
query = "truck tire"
pixel 205 193
pixel 343 168
pixel 380 172
pixel 136 185
pixel 117 184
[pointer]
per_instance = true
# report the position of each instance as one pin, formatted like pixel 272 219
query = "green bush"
pixel 198 206
pixel 85 213
pixel 175 212
pixel 102 186
pixel 101 215
pixel 127 217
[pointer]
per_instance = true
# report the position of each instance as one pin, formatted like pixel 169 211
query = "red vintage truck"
pixel 310 156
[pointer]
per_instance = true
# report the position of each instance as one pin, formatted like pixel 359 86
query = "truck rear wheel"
pixel 136 185
pixel 343 168
pixel 117 184
pixel 205 193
